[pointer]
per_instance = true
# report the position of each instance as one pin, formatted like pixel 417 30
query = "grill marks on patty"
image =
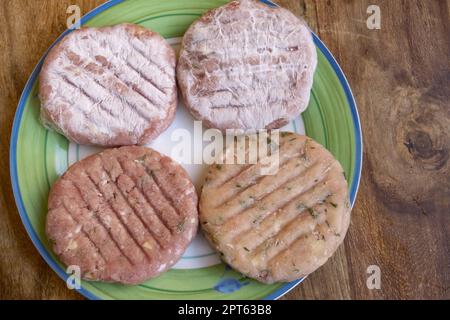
pixel 242 184
pixel 110 86
pixel 263 203
pixel 143 188
pixel 105 74
pixel 116 213
pixel 251 61
pixel 263 224
pixel 110 78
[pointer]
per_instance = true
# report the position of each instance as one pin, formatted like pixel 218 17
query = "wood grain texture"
pixel 400 76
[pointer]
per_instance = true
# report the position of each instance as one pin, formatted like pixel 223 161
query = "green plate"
pixel 39 156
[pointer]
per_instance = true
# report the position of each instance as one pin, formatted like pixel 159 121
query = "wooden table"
pixel 400 76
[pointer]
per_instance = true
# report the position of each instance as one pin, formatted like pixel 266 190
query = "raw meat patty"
pixel 109 86
pixel 247 65
pixel 123 215
pixel 281 227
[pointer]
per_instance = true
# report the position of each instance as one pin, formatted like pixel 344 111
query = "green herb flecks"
pixel 264 274
pixel 180 226
pixel 219 220
pixel 141 159
pixel 256 218
pixel 313 213
pixel 347 204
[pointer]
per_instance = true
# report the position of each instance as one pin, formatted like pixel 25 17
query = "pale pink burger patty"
pixel 109 86
pixel 280 227
pixel 247 65
pixel 123 215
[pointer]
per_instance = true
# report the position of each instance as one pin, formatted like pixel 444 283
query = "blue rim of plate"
pixel 21 106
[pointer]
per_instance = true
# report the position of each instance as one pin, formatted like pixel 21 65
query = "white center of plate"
pixel 199 254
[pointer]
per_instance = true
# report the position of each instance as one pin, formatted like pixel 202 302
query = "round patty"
pixel 247 65
pixel 109 86
pixel 123 215
pixel 281 227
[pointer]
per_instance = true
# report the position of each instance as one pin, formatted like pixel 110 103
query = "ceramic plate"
pixel 39 156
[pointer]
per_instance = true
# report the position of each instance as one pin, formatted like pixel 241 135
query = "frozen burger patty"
pixel 109 86
pixel 123 215
pixel 247 65
pixel 277 227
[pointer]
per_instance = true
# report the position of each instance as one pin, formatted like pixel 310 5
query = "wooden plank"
pixel 27 29
pixel 400 77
